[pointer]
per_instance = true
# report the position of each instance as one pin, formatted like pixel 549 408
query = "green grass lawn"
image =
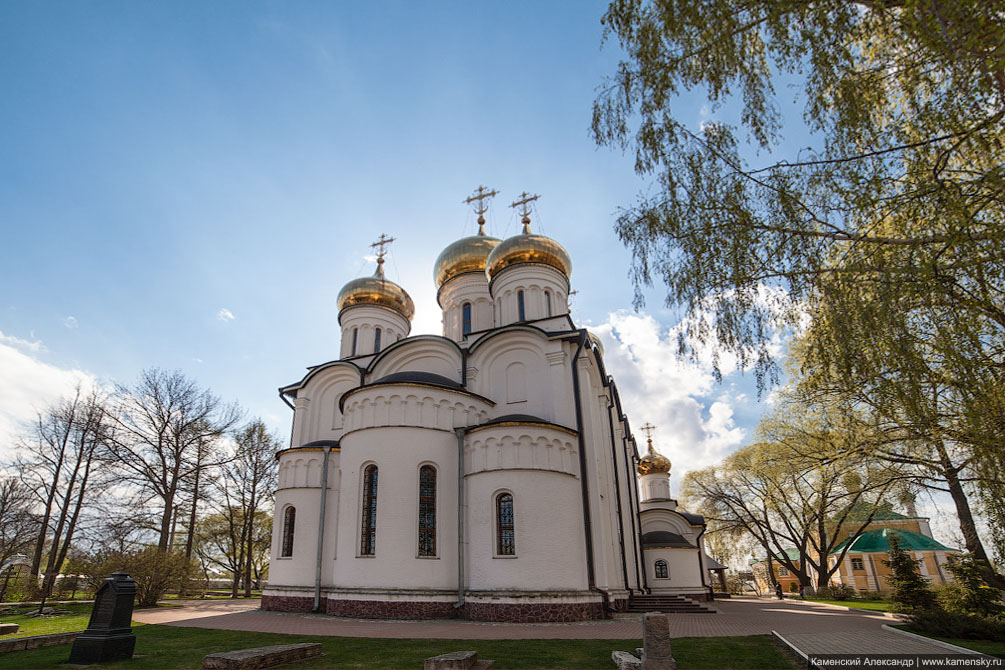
pixel 982 646
pixel 877 605
pixel 62 623
pixel 175 647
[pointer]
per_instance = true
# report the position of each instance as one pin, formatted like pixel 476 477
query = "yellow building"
pixel 863 567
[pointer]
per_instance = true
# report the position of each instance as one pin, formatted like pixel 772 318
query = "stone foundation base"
pixel 533 612
pixel 287 603
pixel 523 610
pixel 390 609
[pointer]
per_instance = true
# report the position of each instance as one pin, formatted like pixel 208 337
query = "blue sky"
pixel 164 162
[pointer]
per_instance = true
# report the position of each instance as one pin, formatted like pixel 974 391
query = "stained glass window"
pixel 505 535
pixel 368 540
pixel 289 523
pixel 427 511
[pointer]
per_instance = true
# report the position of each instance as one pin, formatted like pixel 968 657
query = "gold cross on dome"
pixel 524 203
pixel 648 430
pixel 381 242
pixel 479 196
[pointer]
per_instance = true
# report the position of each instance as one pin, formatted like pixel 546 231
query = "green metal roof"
pixel 881 511
pixel 878 541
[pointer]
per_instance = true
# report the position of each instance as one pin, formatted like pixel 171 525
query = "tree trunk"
pixel 165 532
pixel 967 525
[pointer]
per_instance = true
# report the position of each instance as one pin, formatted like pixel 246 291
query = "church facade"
pixel 488 473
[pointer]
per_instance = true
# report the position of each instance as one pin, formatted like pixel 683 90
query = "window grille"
pixel 661 570
pixel 368 540
pixel 505 535
pixel 289 525
pixel 466 311
pixel 427 511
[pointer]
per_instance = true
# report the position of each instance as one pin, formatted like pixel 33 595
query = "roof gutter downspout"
pixel 701 565
pixel 587 520
pixel 460 517
pixel 637 518
pixel 617 493
pixel 321 529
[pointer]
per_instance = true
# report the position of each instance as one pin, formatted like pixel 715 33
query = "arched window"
pixel 547 302
pixel 505 535
pixel 376 340
pixel 368 536
pixel 466 318
pixel 661 570
pixel 427 511
pixel 355 336
pixel 519 304
pixel 289 525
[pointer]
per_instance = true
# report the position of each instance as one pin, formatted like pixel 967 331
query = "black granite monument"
pixel 109 635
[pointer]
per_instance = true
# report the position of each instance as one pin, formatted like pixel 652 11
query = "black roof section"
pixel 664 538
pixel 420 378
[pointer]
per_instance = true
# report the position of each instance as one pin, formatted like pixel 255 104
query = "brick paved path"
pixel 735 617
pixel 880 642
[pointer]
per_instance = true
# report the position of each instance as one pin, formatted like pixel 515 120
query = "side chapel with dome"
pixel 488 473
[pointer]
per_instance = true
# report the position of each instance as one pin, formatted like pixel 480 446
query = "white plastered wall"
pixel 470 287
pixel 534 279
pixel 300 487
pixel 365 319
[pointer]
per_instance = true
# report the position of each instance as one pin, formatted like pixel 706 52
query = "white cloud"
pixel 198 360
pixel 71 322
pixel 657 386
pixel 225 315
pixel 28 384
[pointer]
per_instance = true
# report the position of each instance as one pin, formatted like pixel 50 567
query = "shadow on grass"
pixel 176 647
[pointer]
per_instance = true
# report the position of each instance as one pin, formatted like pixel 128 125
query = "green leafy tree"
pixel 886 232
pixel 909 591
pixel 968 593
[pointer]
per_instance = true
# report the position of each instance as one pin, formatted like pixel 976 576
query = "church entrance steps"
pixel 666 604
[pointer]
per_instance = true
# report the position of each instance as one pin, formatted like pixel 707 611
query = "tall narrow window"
pixel 547 303
pixel 661 570
pixel 376 340
pixel 355 336
pixel 289 524
pixel 427 511
pixel 368 536
pixel 505 535
pixel 466 318
pixel 519 304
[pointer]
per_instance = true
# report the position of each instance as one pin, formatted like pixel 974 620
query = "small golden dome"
pixel 653 463
pixel 376 290
pixel 467 254
pixel 528 248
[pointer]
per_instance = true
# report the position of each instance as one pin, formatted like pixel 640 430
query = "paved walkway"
pixel 735 617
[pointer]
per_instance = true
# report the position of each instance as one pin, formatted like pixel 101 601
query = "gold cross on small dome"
pixel 648 430
pixel 524 204
pixel 380 245
pixel 479 196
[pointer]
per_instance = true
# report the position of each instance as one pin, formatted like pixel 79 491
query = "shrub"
pixel 153 570
pixel 951 624
pixel 835 592
pixel 968 593
pixel 909 591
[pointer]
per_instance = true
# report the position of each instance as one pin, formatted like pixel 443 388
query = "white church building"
pixel 487 473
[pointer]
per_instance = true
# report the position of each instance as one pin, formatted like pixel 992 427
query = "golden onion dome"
pixel 528 248
pixel 376 290
pixel 467 254
pixel 653 463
